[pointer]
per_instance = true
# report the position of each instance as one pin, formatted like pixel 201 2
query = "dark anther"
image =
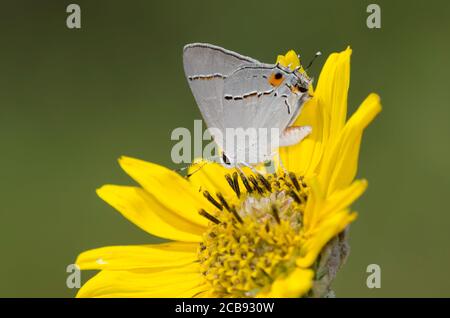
pixel 275 213
pixel 212 200
pixel 223 202
pixel 255 184
pixel 302 181
pixel 265 182
pixel 230 181
pixel 288 184
pixel 208 216
pixel 236 184
pixel 294 180
pixel 236 215
pixel 245 182
pixel 294 195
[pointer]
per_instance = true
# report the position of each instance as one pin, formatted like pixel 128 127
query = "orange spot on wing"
pixel 275 80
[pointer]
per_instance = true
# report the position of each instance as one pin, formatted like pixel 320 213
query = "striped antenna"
pixel 318 53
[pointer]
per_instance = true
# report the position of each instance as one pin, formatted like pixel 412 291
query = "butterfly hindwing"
pixel 251 101
pixel 206 67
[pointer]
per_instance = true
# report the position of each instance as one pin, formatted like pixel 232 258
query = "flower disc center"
pixel 253 237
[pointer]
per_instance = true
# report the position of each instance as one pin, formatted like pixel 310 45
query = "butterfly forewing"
pixel 251 101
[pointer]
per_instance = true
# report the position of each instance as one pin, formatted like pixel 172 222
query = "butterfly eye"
pixel 302 89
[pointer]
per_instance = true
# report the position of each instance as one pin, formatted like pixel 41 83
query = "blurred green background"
pixel 73 101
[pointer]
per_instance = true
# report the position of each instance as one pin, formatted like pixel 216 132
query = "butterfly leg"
pixel 200 163
pixel 277 162
pixel 244 164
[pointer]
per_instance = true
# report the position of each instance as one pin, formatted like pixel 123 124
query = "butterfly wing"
pixel 233 91
pixel 206 67
pixel 251 101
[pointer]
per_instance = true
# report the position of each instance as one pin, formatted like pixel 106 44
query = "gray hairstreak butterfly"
pixel 240 94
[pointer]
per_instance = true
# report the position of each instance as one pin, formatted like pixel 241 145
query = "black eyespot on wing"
pixel 278 75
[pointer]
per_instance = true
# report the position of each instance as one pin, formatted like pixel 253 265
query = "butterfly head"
pixel 296 77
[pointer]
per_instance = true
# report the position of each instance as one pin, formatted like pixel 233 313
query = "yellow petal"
pixel 332 88
pixel 342 199
pixel 313 205
pixel 178 282
pixel 326 217
pixel 168 188
pixel 211 177
pixel 290 60
pixel 138 256
pixel 325 113
pixel 341 163
pixel 304 157
pixel 327 229
pixel 297 284
pixel 149 214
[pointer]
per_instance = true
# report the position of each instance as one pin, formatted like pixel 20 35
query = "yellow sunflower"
pixel 238 233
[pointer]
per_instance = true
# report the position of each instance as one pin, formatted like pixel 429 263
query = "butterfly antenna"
pixel 318 53
pixel 190 166
pixel 201 164
pixel 197 170
pixel 185 167
pixel 244 164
